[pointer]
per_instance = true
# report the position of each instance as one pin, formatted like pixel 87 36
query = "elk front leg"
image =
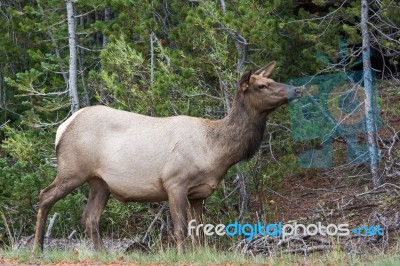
pixel 178 205
pixel 196 213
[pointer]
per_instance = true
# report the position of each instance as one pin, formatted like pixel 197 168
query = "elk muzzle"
pixel 294 93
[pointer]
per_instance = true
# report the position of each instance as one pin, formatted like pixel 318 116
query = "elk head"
pixel 263 94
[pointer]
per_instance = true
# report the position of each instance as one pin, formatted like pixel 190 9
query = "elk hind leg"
pixel 98 197
pixel 57 190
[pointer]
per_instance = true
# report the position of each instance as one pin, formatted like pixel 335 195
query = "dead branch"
pixel 244 192
pixel 51 224
pixel 72 234
pixel 376 190
pixel 146 235
pixel 11 237
pixel 308 250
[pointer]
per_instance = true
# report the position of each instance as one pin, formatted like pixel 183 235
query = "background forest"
pixel 165 58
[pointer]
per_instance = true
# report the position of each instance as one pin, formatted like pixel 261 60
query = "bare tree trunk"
pixel 241 47
pixel 86 98
pixel 107 16
pixel 223 6
pixel 370 104
pixel 73 92
pixel 2 93
pixel 224 86
pixel 152 58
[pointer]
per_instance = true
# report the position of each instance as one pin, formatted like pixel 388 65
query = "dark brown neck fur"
pixel 239 134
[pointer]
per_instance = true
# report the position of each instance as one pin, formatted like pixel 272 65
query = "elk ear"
pixel 245 81
pixel 267 70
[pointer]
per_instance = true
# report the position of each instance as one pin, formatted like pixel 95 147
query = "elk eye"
pixel 262 86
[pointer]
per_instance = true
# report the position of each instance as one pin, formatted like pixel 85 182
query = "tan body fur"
pixel 145 156
pixel 140 158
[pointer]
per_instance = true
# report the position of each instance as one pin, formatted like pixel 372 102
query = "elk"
pixel 148 159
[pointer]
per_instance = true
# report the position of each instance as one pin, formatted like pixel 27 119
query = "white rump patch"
pixel 61 129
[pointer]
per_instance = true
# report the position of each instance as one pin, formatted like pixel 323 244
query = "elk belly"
pixel 141 187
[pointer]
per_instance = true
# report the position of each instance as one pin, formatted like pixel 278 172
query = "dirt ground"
pixel 9 262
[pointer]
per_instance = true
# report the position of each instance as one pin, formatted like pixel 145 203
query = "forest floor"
pixel 318 198
pixel 344 193
pixel 304 199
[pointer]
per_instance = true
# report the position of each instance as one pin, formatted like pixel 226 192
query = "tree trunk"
pixel 223 6
pixel 370 103
pixel 152 58
pixel 241 48
pixel 86 98
pixel 2 93
pixel 107 16
pixel 73 92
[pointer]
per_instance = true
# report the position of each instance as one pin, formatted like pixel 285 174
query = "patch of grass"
pixel 202 256
pixel 206 255
pixel 387 261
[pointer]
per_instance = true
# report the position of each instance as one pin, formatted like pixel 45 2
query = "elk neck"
pixel 238 136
